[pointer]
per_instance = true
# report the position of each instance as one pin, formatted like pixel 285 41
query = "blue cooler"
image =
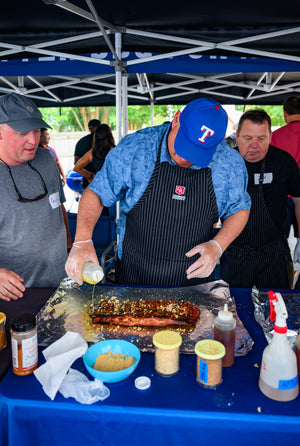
pixel 74 181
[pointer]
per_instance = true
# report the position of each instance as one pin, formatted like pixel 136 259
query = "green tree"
pixel 274 111
pixel 64 119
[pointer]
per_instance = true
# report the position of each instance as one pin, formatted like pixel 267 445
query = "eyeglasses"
pixel 20 197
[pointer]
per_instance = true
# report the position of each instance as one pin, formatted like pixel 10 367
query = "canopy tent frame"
pixel 114 64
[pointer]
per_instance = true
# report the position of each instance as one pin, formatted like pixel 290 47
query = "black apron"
pixel 175 213
pixel 260 255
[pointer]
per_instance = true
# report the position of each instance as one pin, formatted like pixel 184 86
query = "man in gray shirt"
pixel 33 221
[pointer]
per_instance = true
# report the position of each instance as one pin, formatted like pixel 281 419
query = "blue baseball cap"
pixel 203 124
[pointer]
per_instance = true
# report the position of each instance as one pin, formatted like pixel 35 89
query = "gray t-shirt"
pixel 33 239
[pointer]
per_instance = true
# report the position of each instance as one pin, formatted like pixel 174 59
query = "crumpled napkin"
pixel 59 357
pixel 78 386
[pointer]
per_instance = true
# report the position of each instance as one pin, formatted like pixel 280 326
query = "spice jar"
pixel 167 345
pixel 209 363
pixel 24 344
pixel 2 331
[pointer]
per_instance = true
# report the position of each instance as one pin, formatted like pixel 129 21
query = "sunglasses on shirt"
pixel 22 199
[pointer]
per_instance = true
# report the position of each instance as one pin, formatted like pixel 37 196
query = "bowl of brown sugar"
pixel 112 360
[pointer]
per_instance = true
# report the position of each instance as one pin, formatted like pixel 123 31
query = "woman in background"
pixel 104 141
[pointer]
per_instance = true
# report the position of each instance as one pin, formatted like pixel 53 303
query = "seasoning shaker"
pixel 2 331
pixel 209 363
pixel 167 345
pixel 24 344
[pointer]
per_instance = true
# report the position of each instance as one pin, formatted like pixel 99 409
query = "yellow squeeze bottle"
pixel 92 273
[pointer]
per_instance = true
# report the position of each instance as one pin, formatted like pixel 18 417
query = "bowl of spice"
pixel 112 361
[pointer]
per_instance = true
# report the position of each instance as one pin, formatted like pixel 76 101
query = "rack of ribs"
pixel 155 313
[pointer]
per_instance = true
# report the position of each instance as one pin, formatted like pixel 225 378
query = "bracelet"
pixel 76 244
pixel 218 245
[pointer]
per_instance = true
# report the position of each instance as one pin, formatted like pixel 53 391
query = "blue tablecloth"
pixel 174 411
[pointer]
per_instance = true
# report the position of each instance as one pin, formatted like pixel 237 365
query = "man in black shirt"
pixel 84 145
pixel 260 256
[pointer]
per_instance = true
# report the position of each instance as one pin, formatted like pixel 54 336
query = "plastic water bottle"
pixel 278 378
pixel 224 332
pixel 92 273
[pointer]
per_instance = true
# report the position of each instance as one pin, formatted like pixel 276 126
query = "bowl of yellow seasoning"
pixel 112 361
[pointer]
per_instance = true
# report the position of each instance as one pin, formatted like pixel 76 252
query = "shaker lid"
pixel 210 349
pixel 23 322
pixel 167 339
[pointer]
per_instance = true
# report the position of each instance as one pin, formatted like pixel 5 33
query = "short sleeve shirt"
pixel 288 138
pixel 282 178
pixel 129 166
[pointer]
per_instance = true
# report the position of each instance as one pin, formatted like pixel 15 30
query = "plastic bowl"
pixel 115 346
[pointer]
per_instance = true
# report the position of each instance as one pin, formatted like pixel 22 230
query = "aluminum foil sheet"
pixel 69 307
pixel 262 313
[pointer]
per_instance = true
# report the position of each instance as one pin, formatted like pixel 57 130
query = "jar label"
pixel 203 371
pixel 288 384
pixel 30 352
pixel 14 352
pixel 25 355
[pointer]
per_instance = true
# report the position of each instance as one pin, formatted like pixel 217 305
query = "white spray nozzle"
pixel 278 311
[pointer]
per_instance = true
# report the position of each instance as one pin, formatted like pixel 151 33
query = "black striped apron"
pixel 260 255
pixel 175 213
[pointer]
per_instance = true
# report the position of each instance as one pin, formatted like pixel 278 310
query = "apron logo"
pixel 180 190
pixel 179 193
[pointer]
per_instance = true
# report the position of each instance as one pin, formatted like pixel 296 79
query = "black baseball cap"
pixel 20 113
pixel 93 123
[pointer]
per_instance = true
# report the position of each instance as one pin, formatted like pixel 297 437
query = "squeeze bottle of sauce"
pixel 278 378
pixel 92 273
pixel 224 332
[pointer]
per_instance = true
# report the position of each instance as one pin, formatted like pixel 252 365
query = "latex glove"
pixel 210 252
pixel 81 252
pixel 11 286
pixel 297 252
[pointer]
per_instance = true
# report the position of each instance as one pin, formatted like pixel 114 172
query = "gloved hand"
pixel 210 252
pixel 297 252
pixel 81 252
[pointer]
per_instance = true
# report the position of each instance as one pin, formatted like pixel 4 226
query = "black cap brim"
pixel 26 125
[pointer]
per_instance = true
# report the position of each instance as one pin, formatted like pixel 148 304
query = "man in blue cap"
pixel 174 182
pixel 33 221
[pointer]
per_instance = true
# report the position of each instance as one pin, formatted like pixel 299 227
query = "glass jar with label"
pixel 209 363
pixel 167 345
pixel 2 331
pixel 24 344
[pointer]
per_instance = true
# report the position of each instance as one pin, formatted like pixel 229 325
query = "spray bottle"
pixel 278 378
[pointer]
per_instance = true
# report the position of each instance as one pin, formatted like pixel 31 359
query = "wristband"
pixel 76 244
pixel 218 245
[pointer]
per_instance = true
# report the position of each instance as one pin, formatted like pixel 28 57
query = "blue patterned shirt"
pixel 129 166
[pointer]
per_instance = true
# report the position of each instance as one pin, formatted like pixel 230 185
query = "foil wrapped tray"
pixel 69 307
pixel 261 303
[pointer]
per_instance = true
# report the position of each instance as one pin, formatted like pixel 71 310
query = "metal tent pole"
pixel 125 103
